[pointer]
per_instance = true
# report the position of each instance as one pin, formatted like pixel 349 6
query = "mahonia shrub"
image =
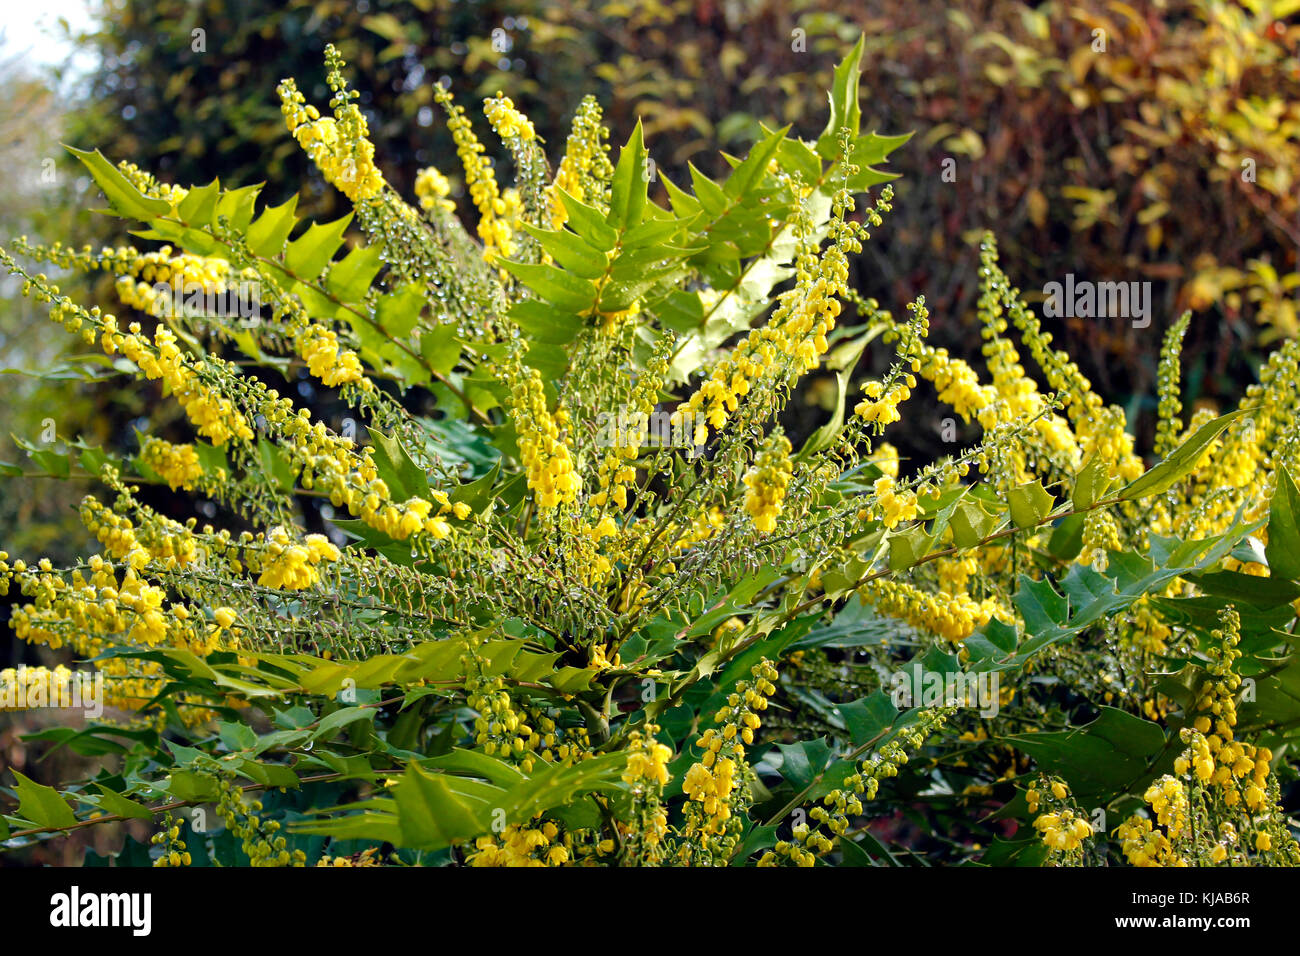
pixel 574 597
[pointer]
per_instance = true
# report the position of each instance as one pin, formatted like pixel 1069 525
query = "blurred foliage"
pixel 38 516
pixel 34 515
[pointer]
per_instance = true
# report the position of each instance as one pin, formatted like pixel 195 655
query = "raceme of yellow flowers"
pixel 588 568
pixel 1222 799
pixel 338 146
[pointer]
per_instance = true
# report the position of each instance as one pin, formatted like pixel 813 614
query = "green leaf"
pixel 199 205
pixel 477 493
pixel 758 838
pixel 122 196
pixel 189 785
pixel 275 464
pixel 802 761
pixel 237 736
pixel 543 323
pixel 1182 461
pixel 571 251
pixel 909 547
pixel 42 805
pixel 266 235
pixel 868 150
pixel 796 156
pixel 867 718
pixel 555 785
pixel 476 764
pixel 874 148
pixel 398 312
pixel 350 278
pixel 560 288
pixel 1115 754
pixel 630 185
pixel 440 349
pixel 683 203
pixel 1022 853
pixel 268 774
pixel 751 172
pixel 1283 548
pixel 431 814
pixel 1236 587
pixel 237 206
pixel 211 458
pixel 845 111
pixel 857 625
pixel 342 718
pixel 112 802
pixel 405 479
pixel 589 223
pixel 1030 504
pixel 58 465
pixel 1090 596
pixel 1092 481
pixel 1276 707
pixel 711 196
pixel 823 436
pixel 308 255
pixel 971 523
pixel 652 232
pixel 1067 538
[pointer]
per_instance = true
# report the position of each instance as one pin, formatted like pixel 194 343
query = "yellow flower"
pixel 319 347
pixel 291 566
pixel 432 189
pixel 178 465
pixel 546 457
pixel 895 507
pixel 339 146
pixel 767 482
pixel 506 120
pixel 647 760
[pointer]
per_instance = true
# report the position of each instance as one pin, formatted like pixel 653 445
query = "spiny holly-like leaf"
pixel 200 204
pixel 267 233
pixel 431 810
pixel 398 312
pixel 750 172
pixel 1084 597
pixel 556 286
pixel 1091 483
pixel 1115 754
pixel 845 111
pixel 971 522
pixel 588 222
pixel 42 805
pixel 1182 461
pixel 237 206
pixel 1030 504
pixel 434 810
pixel 631 184
pixel 824 436
pixel 571 251
pixel 350 278
pixel 405 479
pixel 907 548
pixel 308 255
pixel 1283 549
pixel 125 199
